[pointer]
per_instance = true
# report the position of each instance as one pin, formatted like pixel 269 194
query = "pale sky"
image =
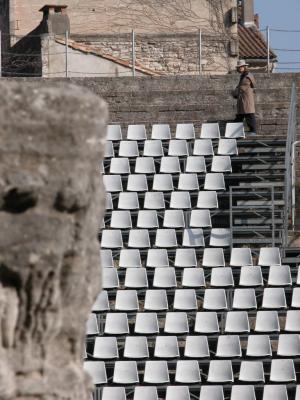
pixel 285 15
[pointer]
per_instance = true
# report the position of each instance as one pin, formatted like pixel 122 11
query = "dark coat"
pixel 245 94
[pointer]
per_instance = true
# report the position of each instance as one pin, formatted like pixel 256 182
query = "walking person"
pixel 244 93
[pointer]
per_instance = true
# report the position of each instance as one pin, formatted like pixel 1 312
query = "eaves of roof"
pixel 252 44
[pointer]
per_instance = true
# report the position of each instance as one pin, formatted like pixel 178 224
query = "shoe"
pixel 251 133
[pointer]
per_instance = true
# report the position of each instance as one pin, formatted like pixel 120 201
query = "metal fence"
pixel 190 53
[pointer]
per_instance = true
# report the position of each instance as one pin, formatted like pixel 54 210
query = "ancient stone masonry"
pixel 51 203
pixel 172 54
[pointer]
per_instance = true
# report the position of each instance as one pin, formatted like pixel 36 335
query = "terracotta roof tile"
pixel 252 44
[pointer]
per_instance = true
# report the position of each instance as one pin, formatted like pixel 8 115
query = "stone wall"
pixel 194 99
pixel 52 139
pixel 95 17
pixel 173 54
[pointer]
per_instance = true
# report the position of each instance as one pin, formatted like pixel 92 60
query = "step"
pixel 259 202
pixel 265 150
pixel 263 167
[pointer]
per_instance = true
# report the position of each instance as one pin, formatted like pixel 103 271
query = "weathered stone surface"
pixel 51 201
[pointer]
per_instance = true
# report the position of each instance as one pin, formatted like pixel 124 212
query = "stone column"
pixel 52 139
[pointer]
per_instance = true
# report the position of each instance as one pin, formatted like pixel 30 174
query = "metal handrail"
pixel 289 150
pixel 270 189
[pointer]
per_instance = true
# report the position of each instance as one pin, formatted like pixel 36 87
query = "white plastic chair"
pixel 241 257
pixel 153 148
pixel 234 130
pixel 146 323
pixel 203 147
pixel 116 324
pixel 161 132
pixel 195 164
pixel 185 299
pixel 97 371
pixel 164 277
pixel 221 164
pixel 206 322
pixel 130 258
pixel 112 183
pixel 176 323
pixel 227 147
pixel 128 148
pixel 162 183
pixel 136 347
pixel 220 237
pixel 185 258
pixel 187 371
pixel 259 346
pixel 125 372
pixel 215 299
pixel 157 258
pixel 178 148
pixel 207 199
pixel 228 346
pixel 210 130
pixel 213 257
pixel 220 371
pixel 252 371
pixel 214 181
pixel 106 348
pixel 196 347
pixel 193 237
pixel 114 133
pixel 156 372
pixel 269 256
pixel 136 132
pixel 128 201
pixel 185 131
pixel 166 347
pixel 267 321
pixel 120 166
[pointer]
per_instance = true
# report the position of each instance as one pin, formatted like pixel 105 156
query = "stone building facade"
pixel 167 31
pixel 166 40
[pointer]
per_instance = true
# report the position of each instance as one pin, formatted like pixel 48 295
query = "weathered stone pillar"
pixel 51 203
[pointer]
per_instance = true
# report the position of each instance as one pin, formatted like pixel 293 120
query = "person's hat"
pixel 241 63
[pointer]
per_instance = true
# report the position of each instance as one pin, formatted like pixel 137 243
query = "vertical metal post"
pixel 268 48
pixel 133 52
pixel 67 54
pixel 231 217
pixel 200 52
pixel 0 54
pixel 273 216
pixel 294 182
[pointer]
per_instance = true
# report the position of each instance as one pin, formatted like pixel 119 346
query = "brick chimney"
pixel 248 13
pixel 55 19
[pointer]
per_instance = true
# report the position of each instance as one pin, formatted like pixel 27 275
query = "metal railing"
pixel 269 231
pixel 289 180
pixel 133 54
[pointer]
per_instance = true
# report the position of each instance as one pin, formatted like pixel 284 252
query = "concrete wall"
pixel 79 63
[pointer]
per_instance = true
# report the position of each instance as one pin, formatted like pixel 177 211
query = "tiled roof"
pixel 88 49
pixel 252 44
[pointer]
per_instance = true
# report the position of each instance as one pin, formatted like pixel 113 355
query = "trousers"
pixel 250 120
